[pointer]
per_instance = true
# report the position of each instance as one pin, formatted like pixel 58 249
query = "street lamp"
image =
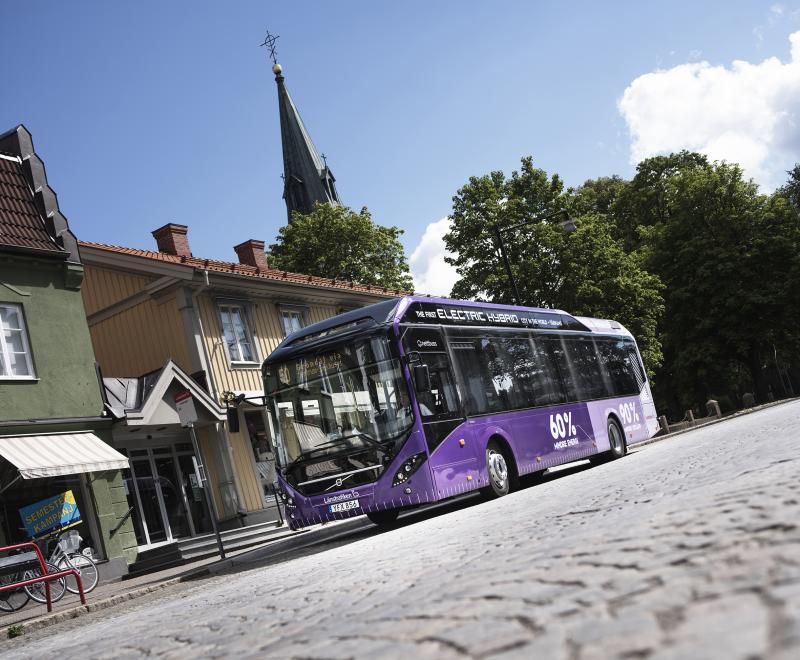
pixel 568 224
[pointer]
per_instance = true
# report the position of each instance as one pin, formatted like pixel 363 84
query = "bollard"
pixel 690 416
pixel 712 407
pixel 662 422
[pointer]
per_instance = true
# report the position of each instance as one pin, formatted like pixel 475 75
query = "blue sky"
pixel 152 112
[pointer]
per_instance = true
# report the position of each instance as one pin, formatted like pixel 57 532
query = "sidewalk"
pixel 34 616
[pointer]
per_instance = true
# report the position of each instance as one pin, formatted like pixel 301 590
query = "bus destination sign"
pixel 420 312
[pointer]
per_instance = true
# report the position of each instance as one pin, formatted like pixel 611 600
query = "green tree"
pixel 728 258
pixel 647 200
pixel 791 190
pixel 337 242
pixel 586 272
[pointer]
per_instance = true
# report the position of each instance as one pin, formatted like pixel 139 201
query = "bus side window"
pixel 555 348
pixel 441 399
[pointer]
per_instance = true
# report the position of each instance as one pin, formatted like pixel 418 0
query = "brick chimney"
pixel 172 239
pixel 251 253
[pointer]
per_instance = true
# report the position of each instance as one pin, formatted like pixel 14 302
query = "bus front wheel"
pixel 616 438
pixel 497 469
pixel 384 518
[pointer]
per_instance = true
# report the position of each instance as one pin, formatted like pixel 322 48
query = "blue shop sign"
pixel 57 512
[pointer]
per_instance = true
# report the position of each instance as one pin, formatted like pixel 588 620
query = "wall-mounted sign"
pixel 184 404
pixel 57 512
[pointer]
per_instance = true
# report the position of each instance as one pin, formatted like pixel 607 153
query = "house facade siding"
pixel 144 308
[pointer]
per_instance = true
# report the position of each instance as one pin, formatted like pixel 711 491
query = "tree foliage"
pixel 337 242
pixel 689 255
pixel 726 255
pixel 586 272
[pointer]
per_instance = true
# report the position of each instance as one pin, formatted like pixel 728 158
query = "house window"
pixel 291 320
pixel 15 353
pixel 237 335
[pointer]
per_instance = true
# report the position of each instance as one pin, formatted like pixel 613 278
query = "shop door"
pixel 172 494
pixel 165 494
pixel 148 500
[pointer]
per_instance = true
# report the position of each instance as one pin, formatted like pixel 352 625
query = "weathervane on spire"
pixel 269 42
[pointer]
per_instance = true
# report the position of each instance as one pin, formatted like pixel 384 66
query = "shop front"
pixel 164 480
pixel 51 481
pixel 252 439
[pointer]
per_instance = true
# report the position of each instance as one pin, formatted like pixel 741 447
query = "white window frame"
pixel 244 312
pixel 5 351
pixel 294 310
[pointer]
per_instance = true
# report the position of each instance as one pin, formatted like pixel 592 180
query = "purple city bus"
pixel 414 400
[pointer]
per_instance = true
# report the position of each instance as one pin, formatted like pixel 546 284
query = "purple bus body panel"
pixel 455 467
pixel 536 438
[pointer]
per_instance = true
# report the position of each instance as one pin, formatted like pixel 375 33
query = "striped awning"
pixel 54 454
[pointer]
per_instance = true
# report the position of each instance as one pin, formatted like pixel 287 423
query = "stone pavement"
pixel 690 548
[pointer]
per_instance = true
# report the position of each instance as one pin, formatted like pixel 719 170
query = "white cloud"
pixel 431 273
pixel 746 113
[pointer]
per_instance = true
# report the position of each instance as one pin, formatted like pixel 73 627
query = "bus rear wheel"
pixel 384 518
pixel 497 469
pixel 616 438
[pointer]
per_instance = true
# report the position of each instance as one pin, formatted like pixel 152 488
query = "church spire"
pixel 306 177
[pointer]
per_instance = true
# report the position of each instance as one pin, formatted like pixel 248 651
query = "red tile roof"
pixel 242 269
pixel 20 222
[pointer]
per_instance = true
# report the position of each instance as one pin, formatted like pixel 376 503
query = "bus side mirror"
pixel 422 377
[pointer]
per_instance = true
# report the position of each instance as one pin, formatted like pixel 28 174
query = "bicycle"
pixel 66 555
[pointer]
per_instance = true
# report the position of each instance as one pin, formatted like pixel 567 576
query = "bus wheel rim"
pixel 498 470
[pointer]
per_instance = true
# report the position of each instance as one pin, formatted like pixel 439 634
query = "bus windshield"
pixel 351 397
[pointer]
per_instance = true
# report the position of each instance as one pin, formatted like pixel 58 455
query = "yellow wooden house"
pixel 163 321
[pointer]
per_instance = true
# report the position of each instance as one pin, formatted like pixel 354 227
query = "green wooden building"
pixel 54 431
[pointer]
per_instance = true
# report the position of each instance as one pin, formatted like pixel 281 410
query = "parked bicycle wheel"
pixel 11 601
pixel 38 591
pixel 85 566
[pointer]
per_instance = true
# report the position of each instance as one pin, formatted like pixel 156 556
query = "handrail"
pixel 121 522
pixel 44 576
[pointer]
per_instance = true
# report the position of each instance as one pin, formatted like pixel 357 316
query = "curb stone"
pixel 57 617
pixel 328 534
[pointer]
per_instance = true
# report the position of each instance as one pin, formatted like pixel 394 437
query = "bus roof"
pixel 440 311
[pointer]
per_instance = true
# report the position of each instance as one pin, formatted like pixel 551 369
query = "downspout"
pixel 206 358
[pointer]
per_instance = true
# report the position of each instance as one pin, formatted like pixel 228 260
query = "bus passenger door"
pixel 450 446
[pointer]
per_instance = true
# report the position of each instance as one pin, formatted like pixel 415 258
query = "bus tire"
pixel 384 518
pixel 498 471
pixel 616 439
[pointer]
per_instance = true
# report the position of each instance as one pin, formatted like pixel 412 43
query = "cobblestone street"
pixel 686 548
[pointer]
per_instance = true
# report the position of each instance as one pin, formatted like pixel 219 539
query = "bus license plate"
pixel 343 506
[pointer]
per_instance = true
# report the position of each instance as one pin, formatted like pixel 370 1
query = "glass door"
pixel 193 495
pixel 149 499
pixel 171 491
pixel 166 496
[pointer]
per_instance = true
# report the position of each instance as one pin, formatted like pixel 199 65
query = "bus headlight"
pixel 409 467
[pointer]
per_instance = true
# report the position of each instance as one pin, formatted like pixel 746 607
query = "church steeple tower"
pixel 306 177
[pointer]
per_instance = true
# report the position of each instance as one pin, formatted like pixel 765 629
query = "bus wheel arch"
pixel 497 444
